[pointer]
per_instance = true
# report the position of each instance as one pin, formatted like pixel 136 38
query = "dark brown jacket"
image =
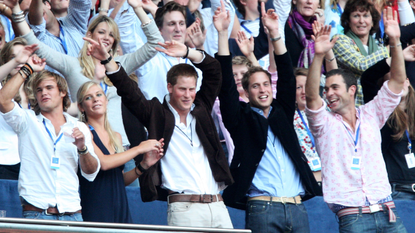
pixel 160 123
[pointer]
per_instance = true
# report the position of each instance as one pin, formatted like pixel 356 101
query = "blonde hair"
pixel 60 82
pixel 87 62
pixel 114 140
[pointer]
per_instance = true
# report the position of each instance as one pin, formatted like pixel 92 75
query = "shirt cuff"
pixel 113 72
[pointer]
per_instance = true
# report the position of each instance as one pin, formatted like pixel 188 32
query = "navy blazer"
pixel 249 131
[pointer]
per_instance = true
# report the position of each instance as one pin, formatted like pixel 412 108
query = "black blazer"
pixel 249 131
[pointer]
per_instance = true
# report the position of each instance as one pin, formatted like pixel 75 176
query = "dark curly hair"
pixel 360 5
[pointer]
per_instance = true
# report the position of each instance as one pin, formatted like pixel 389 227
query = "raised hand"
pixel 270 20
pixel 321 37
pixel 79 138
pixel 154 154
pixel 10 3
pixel 409 53
pixel 196 35
pixel 390 19
pixel 38 64
pixel 221 18
pixel 135 3
pixel 24 55
pixel 245 45
pixel 149 6
pixel 96 49
pixel 172 48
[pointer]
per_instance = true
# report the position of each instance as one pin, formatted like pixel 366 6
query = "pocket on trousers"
pixel 255 207
pixel 348 220
pixel 31 214
pixel 179 207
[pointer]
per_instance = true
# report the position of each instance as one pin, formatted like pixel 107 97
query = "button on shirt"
pixel 185 168
pixel 276 175
pixel 39 184
pixel 343 185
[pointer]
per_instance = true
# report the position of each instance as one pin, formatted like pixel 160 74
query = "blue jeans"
pixel 368 223
pixel 43 215
pixel 399 195
pixel 265 216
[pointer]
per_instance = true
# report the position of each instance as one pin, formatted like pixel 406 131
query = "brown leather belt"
pixel 292 200
pixel 195 198
pixel 50 210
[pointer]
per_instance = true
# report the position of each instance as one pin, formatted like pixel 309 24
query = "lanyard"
pixel 308 130
pixel 339 10
pixel 104 87
pixel 65 47
pixel 28 105
pixel 50 135
pixel 381 27
pixel 409 141
pixel 246 29
pixel 357 136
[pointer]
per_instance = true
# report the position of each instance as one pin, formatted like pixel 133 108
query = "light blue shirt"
pixel 8 29
pixel 276 174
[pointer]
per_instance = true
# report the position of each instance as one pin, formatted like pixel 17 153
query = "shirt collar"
pixel 260 112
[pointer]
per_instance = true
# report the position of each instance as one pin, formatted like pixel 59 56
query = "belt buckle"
pixel 207 201
pixel 413 188
pixel 282 200
pixel 374 208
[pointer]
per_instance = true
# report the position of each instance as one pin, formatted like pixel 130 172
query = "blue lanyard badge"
pixel 50 135
pixel 65 47
pixel 54 162
pixel 308 130
pixel 104 87
pixel 409 141
pixel 356 161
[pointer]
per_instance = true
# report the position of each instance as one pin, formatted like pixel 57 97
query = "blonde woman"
pixel 78 71
pixel 105 199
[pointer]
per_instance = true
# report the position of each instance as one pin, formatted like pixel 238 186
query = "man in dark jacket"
pixel 270 171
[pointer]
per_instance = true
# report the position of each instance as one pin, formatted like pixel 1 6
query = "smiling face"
pixel 174 27
pixel 182 94
pixel 306 8
pixel 103 32
pixel 259 91
pixel 48 95
pixel 94 102
pixel 337 95
pixel 300 93
pixel 360 23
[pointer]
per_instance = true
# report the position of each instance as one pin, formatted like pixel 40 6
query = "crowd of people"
pixel 256 105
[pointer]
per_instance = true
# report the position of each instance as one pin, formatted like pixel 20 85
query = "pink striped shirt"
pixel 341 184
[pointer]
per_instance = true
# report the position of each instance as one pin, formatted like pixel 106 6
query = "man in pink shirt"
pixel 355 181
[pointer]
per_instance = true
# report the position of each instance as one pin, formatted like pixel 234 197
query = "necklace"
pixel 191 134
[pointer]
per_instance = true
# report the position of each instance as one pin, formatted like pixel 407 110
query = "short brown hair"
pixel 300 71
pixel 360 5
pixel 167 8
pixel 250 72
pixel 241 60
pixel 180 70
pixel 61 83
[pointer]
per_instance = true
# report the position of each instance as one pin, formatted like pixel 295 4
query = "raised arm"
pixel 36 12
pixel 11 88
pixel 322 45
pixel 398 74
pixel 133 61
pixel 247 47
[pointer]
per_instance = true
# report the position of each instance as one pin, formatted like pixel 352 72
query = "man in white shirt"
pixel 48 182
pixel 171 21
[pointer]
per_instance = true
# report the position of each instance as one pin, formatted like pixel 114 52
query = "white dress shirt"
pixel 40 184
pixel 185 167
